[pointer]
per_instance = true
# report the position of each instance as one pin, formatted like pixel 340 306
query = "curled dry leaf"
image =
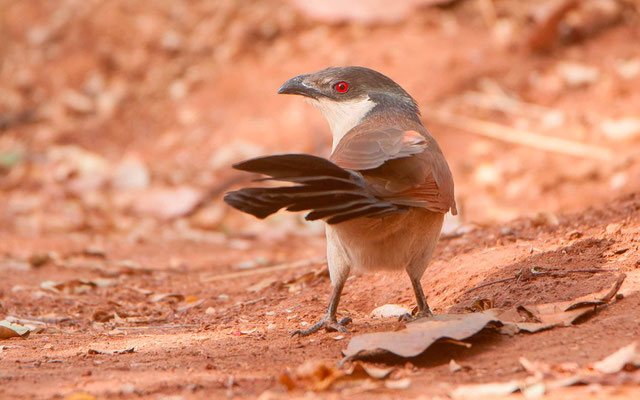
pixel 400 384
pixel 564 313
pixel 10 329
pixel 123 318
pixel 263 284
pixel 76 286
pixel 420 335
pixel 547 377
pixel 125 351
pixel 626 357
pixel 481 305
pixel 174 297
pixel 487 390
pixel 189 305
pixel 102 316
pixel 319 376
pixel 454 366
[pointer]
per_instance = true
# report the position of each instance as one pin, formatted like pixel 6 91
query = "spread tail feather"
pixel 328 191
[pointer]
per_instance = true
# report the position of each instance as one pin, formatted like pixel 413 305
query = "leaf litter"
pixel 109 352
pixel 421 334
pixel 319 376
pixel 15 327
pixel 543 377
pixel 9 330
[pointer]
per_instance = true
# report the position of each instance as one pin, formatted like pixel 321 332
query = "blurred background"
pixel 122 117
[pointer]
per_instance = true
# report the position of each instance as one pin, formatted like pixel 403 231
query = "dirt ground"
pixel 119 121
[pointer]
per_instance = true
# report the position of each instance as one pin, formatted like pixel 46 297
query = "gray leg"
pixel 328 321
pixel 421 300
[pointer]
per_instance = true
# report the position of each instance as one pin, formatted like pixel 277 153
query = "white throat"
pixel 342 115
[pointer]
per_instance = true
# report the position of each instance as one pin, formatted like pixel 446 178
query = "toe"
pixel 406 317
pixel 336 327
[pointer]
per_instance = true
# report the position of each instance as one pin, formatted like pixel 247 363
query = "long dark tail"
pixel 330 192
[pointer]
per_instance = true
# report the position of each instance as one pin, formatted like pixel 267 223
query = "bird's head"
pixel 345 95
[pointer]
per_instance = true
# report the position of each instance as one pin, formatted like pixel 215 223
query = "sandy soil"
pixel 118 123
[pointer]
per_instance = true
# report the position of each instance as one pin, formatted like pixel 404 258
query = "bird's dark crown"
pixel 361 83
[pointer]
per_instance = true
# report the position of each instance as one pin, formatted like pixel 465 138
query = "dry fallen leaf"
pixel 263 284
pixel 481 305
pixel 319 376
pixel 454 366
pixel 190 305
pixel 626 356
pixel 125 351
pixel 9 330
pixel 486 390
pixel 563 313
pixel 76 286
pixel 175 297
pixel 421 334
pixel 544 377
pixel 8 333
pixel 399 384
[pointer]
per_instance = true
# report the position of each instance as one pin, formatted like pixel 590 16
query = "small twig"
pixel 156 327
pixel 248 303
pixel 517 136
pixel 264 270
pixel 456 342
pixel 489 284
pixel 595 270
pixel 537 270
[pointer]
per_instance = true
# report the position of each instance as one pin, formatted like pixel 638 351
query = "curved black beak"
pixel 298 86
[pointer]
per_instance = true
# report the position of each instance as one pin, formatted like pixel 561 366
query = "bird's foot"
pixel 420 314
pixel 329 323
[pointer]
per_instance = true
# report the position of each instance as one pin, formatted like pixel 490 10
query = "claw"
pixel 406 318
pixel 328 323
pixel 410 318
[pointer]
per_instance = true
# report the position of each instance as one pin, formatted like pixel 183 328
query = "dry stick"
pixel 543 270
pixel 156 327
pixel 518 275
pixel 491 283
pixel 517 136
pixel 264 270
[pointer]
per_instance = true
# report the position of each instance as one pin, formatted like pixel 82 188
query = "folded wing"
pixel 402 166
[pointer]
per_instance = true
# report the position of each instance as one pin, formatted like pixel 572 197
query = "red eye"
pixel 342 87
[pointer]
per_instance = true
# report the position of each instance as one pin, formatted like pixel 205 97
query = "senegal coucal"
pixel 382 193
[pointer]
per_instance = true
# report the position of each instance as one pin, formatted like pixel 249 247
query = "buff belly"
pixel 393 242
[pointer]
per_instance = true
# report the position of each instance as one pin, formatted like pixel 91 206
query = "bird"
pixel 382 193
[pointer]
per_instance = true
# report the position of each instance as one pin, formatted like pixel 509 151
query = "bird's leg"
pixel 421 300
pixel 329 321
